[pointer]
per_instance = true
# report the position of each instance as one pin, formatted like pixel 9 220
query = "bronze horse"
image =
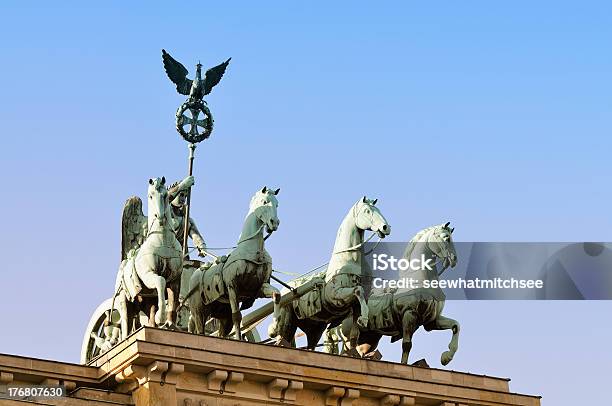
pixel 234 283
pixel 342 294
pixel 401 313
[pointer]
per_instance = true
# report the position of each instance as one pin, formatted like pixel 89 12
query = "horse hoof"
pixel 352 353
pixel 421 363
pixel 282 343
pixel 446 357
pixel 373 355
pixel 169 326
pixel 159 316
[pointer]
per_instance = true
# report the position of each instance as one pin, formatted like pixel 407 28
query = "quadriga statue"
pixel 342 293
pixel 233 283
pixel 401 313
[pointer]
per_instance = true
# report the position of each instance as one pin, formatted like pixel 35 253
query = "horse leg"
pixel 353 336
pixel 445 323
pixel 333 339
pixel 145 267
pixel 196 304
pixel 409 326
pixel 283 326
pixel 172 289
pixel 191 324
pixel 347 295
pixel 236 315
pixel 160 286
pixel 225 327
pixel 362 320
pixel 368 341
pixel 345 331
pixel 123 314
pixel 152 311
pixel 171 310
pixel 268 290
pixel 314 334
pixel 231 276
pixel 197 319
pixel 359 321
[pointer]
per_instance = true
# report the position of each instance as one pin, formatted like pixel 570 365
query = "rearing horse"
pixel 401 313
pixel 342 293
pixel 243 277
pixel 158 263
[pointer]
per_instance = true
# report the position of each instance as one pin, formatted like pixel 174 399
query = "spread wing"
pixel 177 73
pixel 214 75
pixel 132 212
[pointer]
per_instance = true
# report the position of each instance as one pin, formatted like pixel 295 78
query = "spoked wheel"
pixel 89 350
pixel 95 328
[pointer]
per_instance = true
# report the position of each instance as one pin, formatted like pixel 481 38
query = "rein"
pixel 360 245
pixel 250 237
pixel 224 248
pixel 256 233
pixel 149 232
pixel 439 259
pixel 182 302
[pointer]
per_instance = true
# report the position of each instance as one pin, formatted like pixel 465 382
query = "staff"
pixel 192 148
pixel 188 114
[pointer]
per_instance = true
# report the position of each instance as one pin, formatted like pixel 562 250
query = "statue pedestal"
pixel 159 367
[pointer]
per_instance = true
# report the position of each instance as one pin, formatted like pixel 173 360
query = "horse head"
pixel 368 217
pixel 440 242
pixel 158 201
pixel 264 205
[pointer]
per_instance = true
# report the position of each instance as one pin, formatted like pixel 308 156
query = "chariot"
pixel 104 323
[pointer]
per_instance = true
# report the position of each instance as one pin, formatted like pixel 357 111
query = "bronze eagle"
pixel 197 88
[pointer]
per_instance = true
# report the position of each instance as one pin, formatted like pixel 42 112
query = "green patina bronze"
pixel 158 285
pixel 400 313
pixel 193 112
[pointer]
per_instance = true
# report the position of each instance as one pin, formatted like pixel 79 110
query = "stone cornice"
pixel 183 368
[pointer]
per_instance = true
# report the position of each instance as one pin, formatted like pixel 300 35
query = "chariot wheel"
pixel 89 350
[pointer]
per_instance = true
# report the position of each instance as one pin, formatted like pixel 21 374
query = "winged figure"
pixel 197 88
pixel 133 227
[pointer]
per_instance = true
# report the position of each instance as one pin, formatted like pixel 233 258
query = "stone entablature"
pixel 159 367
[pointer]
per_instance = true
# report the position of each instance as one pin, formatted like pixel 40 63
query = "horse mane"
pixel 353 210
pixel 252 202
pixel 418 238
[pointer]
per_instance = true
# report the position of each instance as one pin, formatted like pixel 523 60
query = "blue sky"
pixel 495 116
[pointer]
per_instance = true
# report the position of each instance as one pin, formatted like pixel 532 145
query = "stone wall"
pixel 158 367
